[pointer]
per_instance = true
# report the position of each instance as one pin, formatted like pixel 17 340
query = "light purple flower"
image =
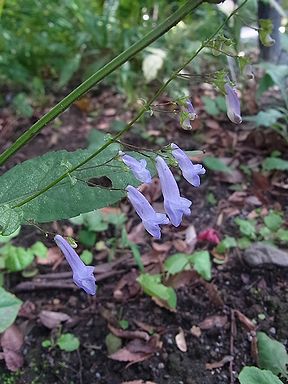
pixel 149 217
pixel 138 168
pixel 189 170
pixel 187 113
pixel 233 105
pixel 175 205
pixel 83 275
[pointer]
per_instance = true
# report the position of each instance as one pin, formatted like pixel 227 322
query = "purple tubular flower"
pixel 233 105
pixel 190 109
pixel 175 205
pixel 138 168
pixel 187 113
pixel 83 275
pixel 149 217
pixel 189 170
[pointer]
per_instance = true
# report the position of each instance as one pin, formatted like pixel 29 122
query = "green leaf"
pixel 46 343
pixel 9 308
pixel 273 221
pixel 92 220
pixel 225 244
pixel 243 242
pixel 176 263
pixel 68 342
pixel 10 219
pixel 22 105
pixel 64 200
pixel 266 118
pixel 6 239
pixel 274 163
pixel 265 30
pixel 254 375
pixel 152 286
pixel 202 263
pixel 215 164
pixel 87 238
pixel 272 355
pixel 18 258
pixel 124 324
pixel 210 106
pixel 87 257
pixel 113 343
pixel 39 249
pixel 69 69
pixel 247 227
pixel 282 235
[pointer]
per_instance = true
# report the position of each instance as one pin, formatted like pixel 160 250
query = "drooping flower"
pixel 149 217
pixel 83 275
pixel 233 105
pixel 189 170
pixel 175 205
pixel 187 114
pixel 138 168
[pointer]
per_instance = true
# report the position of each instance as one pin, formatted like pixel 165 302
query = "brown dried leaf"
pixel 12 338
pixel 213 293
pixel 196 331
pixel 52 319
pixel 54 255
pixel 180 341
pixel 248 324
pixel 146 327
pixel 11 342
pixel 27 310
pixel 138 382
pixel 127 286
pixel 162 247
pixel 213 322
pixel 219 364
pixel 137 234
pixel 124 354
pixel 128 334
pixel 13 360
pixel 163 304
pixel 182 279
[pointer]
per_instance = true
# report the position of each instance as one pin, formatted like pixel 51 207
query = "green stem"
pixel 98 76
pixel 137 117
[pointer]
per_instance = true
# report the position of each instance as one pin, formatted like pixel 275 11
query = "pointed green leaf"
pixel 9 308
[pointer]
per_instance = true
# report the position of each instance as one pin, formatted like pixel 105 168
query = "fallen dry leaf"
pixel 219 364
pixel 248 324
pixel 137 350
pixel 138 382
pixel 213 322
pixel 137 234
pixel 127 286
pixel 180 341
pixel 11 342
pixel 196 331
pixel 182 279
pixel 54 255
pixel 52 319
pixel 163 304
pixel 27 310
pixel 128 334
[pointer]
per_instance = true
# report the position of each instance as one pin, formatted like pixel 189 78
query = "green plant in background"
pixel 154 285
pixel 67 342
pixel 273 360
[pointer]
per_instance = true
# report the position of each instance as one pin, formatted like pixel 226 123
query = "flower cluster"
pixel 174 204
pixel 188 113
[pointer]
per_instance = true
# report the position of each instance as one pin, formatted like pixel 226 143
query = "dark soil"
pixel 234 286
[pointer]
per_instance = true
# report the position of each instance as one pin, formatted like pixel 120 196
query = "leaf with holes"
pixel 86 189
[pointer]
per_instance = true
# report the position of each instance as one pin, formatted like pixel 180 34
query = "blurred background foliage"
pixel 48 46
